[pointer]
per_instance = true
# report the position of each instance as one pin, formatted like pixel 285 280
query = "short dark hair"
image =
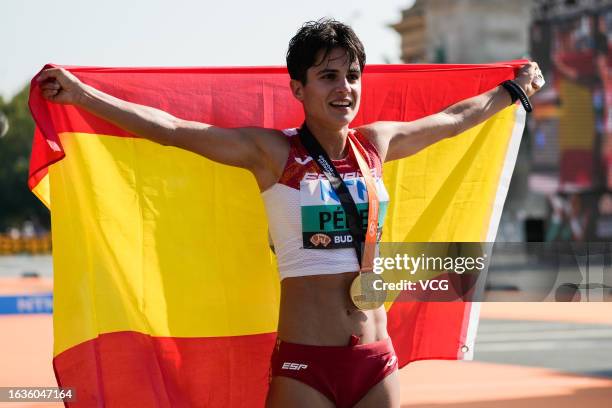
pixel 324 34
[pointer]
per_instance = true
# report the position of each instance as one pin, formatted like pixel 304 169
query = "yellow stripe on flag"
pixel 138 230
pixel 41 190
pixel 446 192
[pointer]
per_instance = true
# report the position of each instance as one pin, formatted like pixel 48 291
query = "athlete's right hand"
pixel 60 86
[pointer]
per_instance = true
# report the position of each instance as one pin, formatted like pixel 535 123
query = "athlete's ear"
pixel 297 88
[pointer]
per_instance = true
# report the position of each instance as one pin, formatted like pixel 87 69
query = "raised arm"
pixel 396 140
pixel 248 148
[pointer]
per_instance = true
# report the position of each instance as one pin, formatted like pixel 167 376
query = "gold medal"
pixel 367 291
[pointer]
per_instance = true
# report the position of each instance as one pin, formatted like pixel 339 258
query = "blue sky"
pixel 175 33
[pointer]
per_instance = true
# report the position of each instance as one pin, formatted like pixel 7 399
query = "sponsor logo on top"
pixel 303 161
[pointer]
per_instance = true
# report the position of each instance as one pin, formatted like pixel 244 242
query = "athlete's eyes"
pixel 350 77
pixel 330 76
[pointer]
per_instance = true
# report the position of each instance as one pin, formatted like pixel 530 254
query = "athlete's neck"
pixel 333 140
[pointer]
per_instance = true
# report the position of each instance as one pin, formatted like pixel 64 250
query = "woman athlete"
pixel 329 353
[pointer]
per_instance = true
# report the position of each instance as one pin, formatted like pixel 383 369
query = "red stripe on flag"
pixel 239 97
pixel 429 338
pixel 131 369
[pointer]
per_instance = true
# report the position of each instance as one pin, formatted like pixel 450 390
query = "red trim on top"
pixel 370 148
pixel 299 162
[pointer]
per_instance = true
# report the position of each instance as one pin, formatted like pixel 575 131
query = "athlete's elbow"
pixel 462 122
pixel 169 131
pixel 455 124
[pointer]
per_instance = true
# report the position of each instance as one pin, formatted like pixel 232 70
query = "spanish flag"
pixel 166 293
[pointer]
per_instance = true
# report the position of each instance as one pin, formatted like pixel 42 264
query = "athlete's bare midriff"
pixel 317 310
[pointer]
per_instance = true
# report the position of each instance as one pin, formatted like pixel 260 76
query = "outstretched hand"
pixel 530 78
pixel 60 86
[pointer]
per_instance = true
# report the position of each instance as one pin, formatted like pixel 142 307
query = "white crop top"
pixel 306 220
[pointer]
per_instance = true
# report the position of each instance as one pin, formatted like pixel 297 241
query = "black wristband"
pixel 516 92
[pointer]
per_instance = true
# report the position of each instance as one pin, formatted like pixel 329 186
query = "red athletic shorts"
pixel 344 374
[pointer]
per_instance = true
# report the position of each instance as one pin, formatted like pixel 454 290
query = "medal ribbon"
pixel 369 250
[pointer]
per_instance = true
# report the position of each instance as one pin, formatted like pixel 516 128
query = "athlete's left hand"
pixel 530 78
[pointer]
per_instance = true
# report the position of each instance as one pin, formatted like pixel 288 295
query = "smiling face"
pixel 332 91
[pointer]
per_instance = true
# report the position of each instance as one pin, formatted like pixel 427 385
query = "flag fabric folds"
pixel 166 293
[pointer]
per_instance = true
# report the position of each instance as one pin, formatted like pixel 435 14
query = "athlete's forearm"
pixel 473 111
pixel 140 120
pixel 408 138
pixel 240 147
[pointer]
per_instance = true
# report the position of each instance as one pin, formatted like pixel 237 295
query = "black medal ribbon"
pixel 316 151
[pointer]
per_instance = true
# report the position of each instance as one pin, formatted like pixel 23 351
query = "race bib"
pixel 324 222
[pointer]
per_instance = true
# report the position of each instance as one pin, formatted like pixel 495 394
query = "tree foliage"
pixel 17 203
